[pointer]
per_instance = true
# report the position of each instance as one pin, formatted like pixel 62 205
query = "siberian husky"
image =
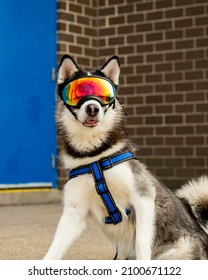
pixel 141 217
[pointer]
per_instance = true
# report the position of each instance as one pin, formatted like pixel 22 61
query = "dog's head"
pixel 88 95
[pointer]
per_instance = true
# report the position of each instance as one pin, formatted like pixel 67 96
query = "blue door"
pixel 27 93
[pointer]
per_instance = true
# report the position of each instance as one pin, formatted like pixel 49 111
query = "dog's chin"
pixel 90 122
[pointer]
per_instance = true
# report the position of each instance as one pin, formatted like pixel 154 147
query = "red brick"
pixel 183 65
pixel 184 151
pixel 194 75
pixel 163 151
pixel 155 15
pixel 201 20
pixel 164 88
pixel 164 4
pixel 173 76
pixel 167 172
pixel 125 50
pixel 126 9
pixel 135 59
pixel 174 34
pixel 107 11
pixel 144 110
pixel 61 5
pixel 134 18
pixel 164 46
pixel 75 8
pixel 175 141
pixel 155 141
pixel 164 130
pixel 142 27
pixel 145 130
pixel 202 85
pixel 144 6
pixel 68 17
pixel 153 120
pixel 176 98
pixel 184 86
pixel 126 29
pixel 134 79
pixel 202 108
pixel 184 44
pixel 184 2
pixel 194 32
pixel 134 39
pixel 105 31
pixel 144 69
pixel 135 100
pixel 173 119
pixel 145 48
pixel 155 99
pixel 195 118
pixel 185 172
pixel 199 96
pixel 202 42
pixel 163 67
pixel 155 57
pixel 171 162
pixel 173 56
pixel 174 13
pixel 153 78
pixel 156 36
pixel 194 55
pixel 117 20
pixel 184 108
pixel 202 129
pixel 164 109
pixel 194 140
pixel 144 89
pixel 203 63
pixel 182 23
pixel 202 151
pixel 193 11
pixel 184 130
pixel 163 25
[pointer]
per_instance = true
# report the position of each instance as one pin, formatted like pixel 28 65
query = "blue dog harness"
pixel 96 169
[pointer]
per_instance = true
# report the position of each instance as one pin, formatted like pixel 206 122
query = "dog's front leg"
pixel 70 227
pixel 145 216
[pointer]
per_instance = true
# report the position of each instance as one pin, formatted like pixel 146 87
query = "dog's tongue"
pixel 90 123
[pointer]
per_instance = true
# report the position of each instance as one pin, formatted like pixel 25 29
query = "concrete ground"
pixel 26 232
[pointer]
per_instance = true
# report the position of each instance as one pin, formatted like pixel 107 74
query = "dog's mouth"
pixel 90 122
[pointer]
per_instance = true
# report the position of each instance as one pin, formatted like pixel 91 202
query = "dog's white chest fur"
pixel 120 182
pixel 80 192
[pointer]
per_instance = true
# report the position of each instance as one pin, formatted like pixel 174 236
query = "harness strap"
pixel 96 169
pixel 105 163
pixel 104 193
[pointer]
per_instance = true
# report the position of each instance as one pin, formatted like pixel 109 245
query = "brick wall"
pixel 77 31
pixel 163 48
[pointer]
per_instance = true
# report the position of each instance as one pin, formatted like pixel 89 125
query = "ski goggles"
pixel 78 91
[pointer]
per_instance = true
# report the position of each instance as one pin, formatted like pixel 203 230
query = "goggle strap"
pixel 124 109
pixel 70 108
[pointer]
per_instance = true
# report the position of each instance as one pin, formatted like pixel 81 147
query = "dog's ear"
pixel 67 68
pixel 111 69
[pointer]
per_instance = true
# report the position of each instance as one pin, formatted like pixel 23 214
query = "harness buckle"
pixel 106 163
pixel 101 188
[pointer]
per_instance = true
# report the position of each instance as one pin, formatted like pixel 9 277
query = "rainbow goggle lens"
pixel 81 89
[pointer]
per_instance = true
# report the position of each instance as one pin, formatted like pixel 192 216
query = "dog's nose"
pixel 92 110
